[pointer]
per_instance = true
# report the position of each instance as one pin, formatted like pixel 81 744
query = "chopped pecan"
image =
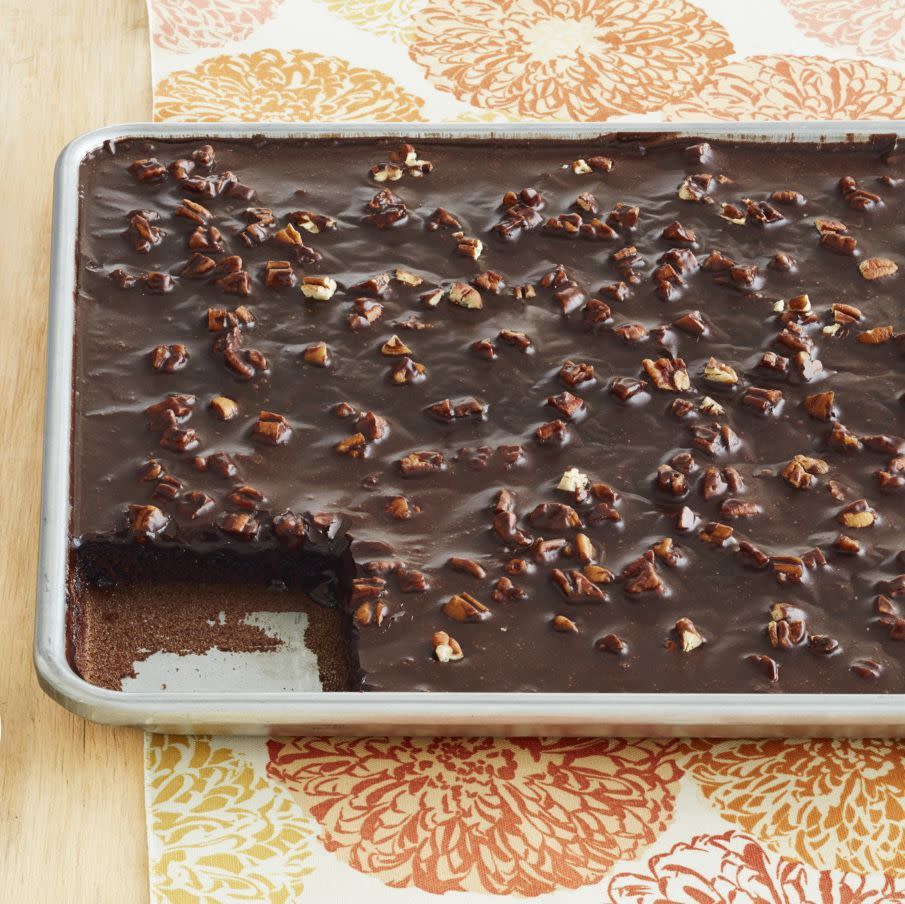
pixel 469 566
pixel 876 336
pixel 764 401
pixel 272 428
pixel 169 358
pixel 576 587
pixel 554 516
pixel 370 614
pixel 386 210
pixel 505 524
pixel 355 446
pixel 802 470
pixel 576 374
pixel 398 507
pixel 148 170
pixel 366 311
pixel 373 426
pixel 838 243
pixel 241 525
pixel 842 438
pixel 640 576
pixel 141 231
pixel 407 371
pixel 868 669
pixel 666 551
pixel 847 545
pixel 556 431
pixel 490 281
pixel 857 514
pixel 416 464
pixel 442 217
pixel 179 439
pixel 820 405
pixel 279 275
pixel 469 246
pixel 465 296
pixel 611 643
pixel 505 591
pixel 246 498
pixel 625 388
pixel 146 521
pixel 719 372
pixel 689 636
pixel 715 439
pixel 670 481
pixel 463 607
pixel 739 508
pixel 446 648
pixel 667 374
pixel 716 533
pixel 567 404
pixel 766 664
pixel 410 580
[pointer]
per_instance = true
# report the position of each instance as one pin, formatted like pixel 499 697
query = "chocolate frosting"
pixel 838 630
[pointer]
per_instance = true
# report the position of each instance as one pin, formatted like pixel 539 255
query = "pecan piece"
pixel 148 170
pixel 463 607
pixel 241 525
pixel 407 371
pixel 766 664
pixel 556 431
pixel 876 336
pixel 416 464
pixel 640 576
pixel 820 405
pixel 169 358
pixel 567 404
pixel 667 374
pixel 764 401
pixel 576 587
pixel 505 591
pixel 554 516
pixel 272 428
pixel 469 566
pixel 857 514
pixel 397 507
pixel 446 648
pixel 575 374
pixel 689 636
pixel 465 296
pixel 146 521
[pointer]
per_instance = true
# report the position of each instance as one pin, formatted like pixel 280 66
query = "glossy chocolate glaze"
pixel 620 444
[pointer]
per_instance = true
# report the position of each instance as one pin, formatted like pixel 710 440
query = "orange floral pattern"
pixel 871 27
pixel 829 803
pixel 182 26
pixel 567 59
pixel 393 18
pixel 788 87
pixel 272 85
pixel 524 816
pixel 713 869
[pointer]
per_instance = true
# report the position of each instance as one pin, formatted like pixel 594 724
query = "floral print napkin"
pixel 505 60
pixel 559 820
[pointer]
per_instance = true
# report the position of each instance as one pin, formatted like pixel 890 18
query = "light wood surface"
pixel 71 808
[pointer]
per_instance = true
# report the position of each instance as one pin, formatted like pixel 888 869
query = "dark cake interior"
pixel 618 415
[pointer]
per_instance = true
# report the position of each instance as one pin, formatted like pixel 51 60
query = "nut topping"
pixel 272 428
pixel 463 607
pixel 689 636
pixel 446 648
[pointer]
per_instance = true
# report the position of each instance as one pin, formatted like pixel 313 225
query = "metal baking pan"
pixel 222 702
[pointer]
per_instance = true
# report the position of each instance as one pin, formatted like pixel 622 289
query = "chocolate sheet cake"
pixel 620 415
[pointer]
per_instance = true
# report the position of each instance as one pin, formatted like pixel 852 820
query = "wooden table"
pixel 71 809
